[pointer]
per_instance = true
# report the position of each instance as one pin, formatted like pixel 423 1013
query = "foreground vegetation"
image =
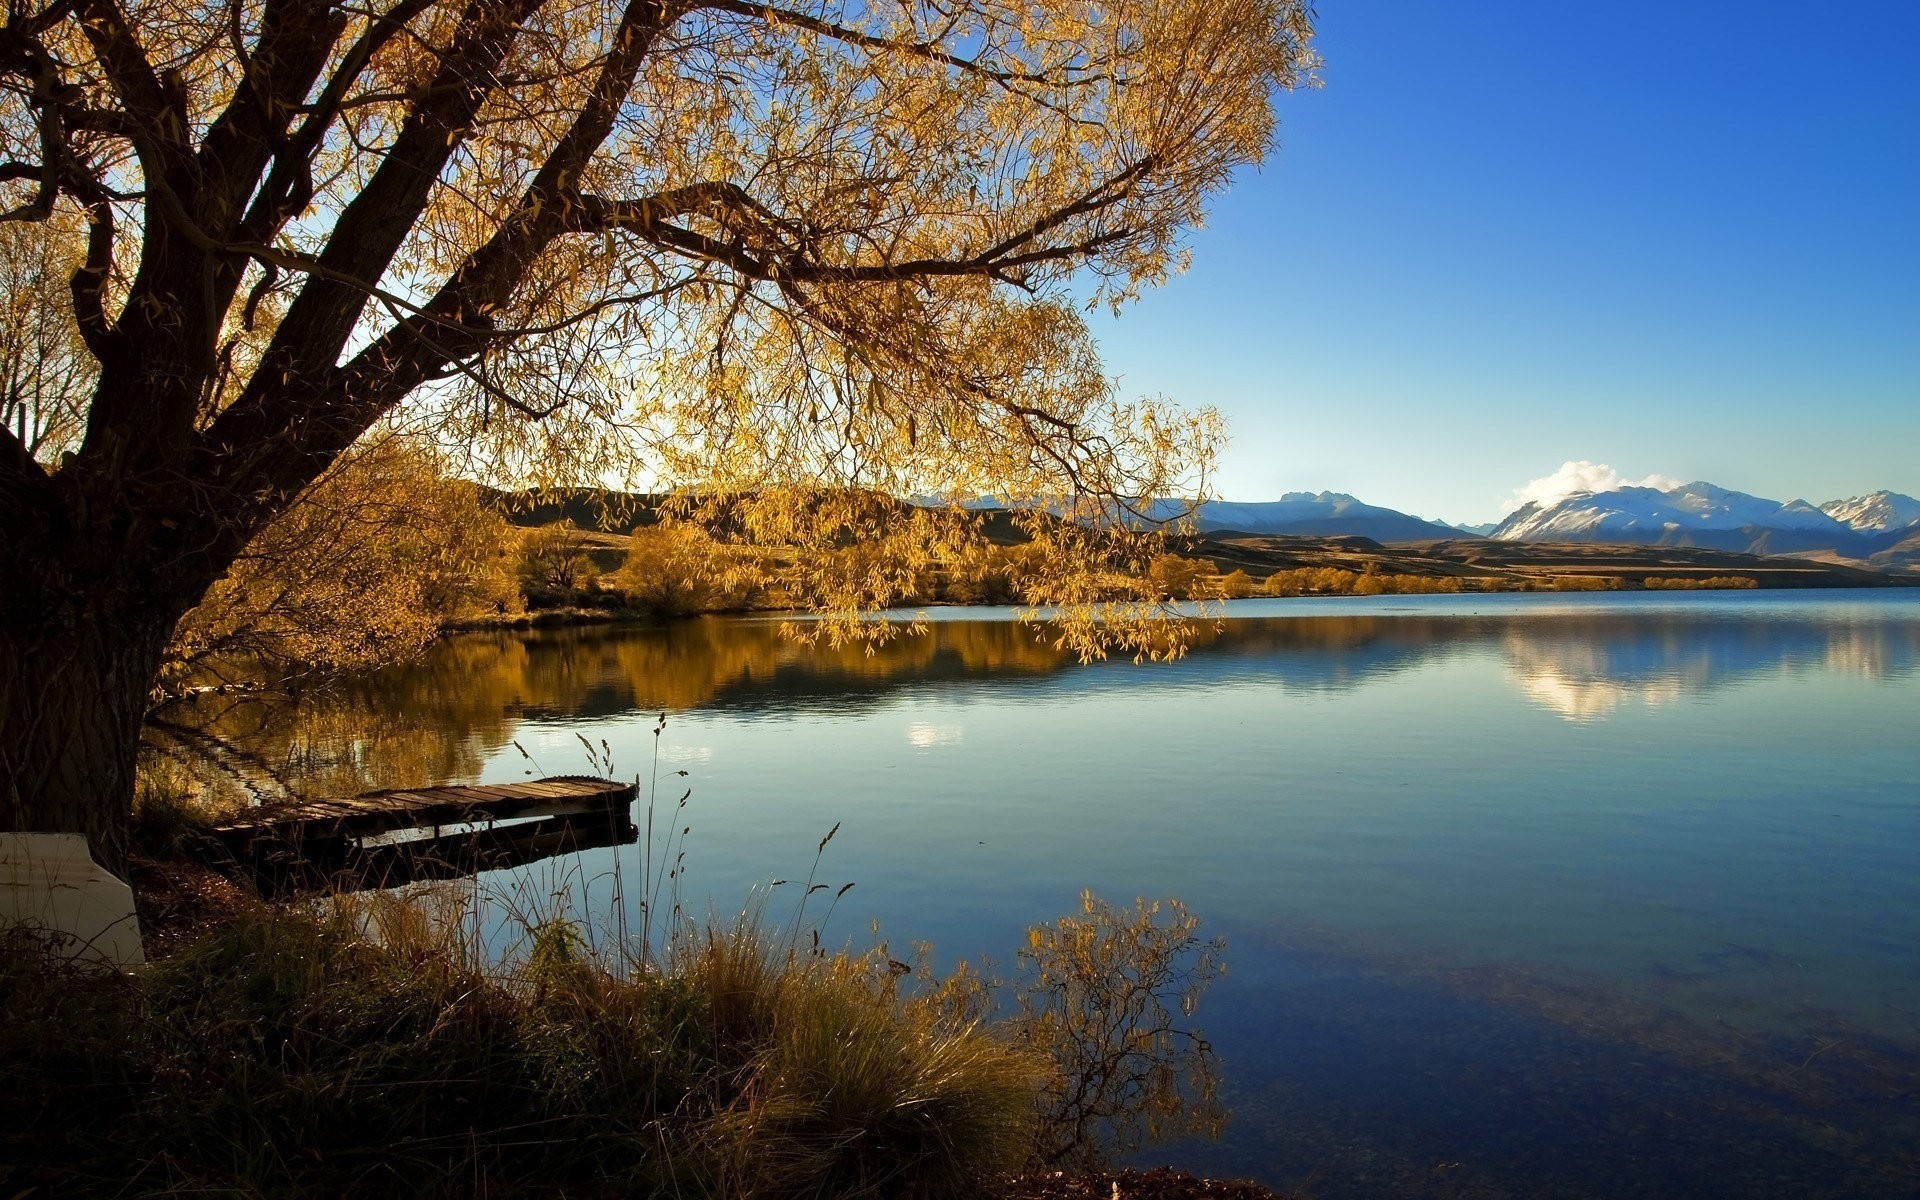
pixel 368 1047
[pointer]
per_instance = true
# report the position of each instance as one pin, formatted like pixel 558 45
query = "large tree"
pixel 755 247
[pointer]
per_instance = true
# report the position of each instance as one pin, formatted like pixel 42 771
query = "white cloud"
pixel 1575 477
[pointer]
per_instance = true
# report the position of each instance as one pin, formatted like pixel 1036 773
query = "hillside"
pixel 1482 563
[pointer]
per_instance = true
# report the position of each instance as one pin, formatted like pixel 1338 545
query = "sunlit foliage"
pixel 677 567
pixel 1177 577
pixel 796 258
pixel 553 559
pixel 1333 581
pixel 1107 995
pixel 1683 583
pixel 791 259
pixel 362 570
pixel 46 373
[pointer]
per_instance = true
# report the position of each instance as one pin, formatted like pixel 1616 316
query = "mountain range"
pixel 1716 518
pixel 1317 514
pixel 1881 528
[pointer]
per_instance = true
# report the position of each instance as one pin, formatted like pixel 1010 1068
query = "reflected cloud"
pixel 923 736
pixel 1588 671
pixel 1594 699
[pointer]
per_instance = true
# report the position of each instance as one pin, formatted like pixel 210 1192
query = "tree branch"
pixel 775 15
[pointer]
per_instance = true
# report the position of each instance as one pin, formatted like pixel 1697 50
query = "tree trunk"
pixel 75 678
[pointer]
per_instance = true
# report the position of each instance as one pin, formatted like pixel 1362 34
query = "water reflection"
pixel 438 720
pixel 1493 931
pixel 1585 670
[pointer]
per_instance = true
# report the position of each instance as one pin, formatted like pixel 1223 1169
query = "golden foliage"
pixel 806 260
pixel 1106 994
pixel 677 567
pixel 1176 577
pixel 1332 581
pixel 1688 583
pixel 46 372
pixel 362 569
pixel 1584 583
pixel 554 559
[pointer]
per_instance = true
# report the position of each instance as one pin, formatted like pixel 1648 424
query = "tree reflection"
pixel 439 719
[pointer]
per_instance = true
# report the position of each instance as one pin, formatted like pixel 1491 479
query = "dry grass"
pixel 360 1049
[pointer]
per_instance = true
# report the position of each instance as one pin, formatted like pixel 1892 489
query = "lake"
pixel 1610 895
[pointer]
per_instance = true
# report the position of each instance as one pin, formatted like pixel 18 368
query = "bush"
pixel 554 560
pixel 1332 581
pixel 1695 583
pixel 677 568
pixel 362 1048
pixel 1236 585
pixel 361 1052
pixel 1176 577
pixel 1584 583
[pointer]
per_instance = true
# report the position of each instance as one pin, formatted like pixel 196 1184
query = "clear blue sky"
pixel 1679 238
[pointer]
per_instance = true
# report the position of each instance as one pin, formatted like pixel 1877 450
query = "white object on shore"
pixel 50 883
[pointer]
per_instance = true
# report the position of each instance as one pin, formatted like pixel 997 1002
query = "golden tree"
pixel 781 251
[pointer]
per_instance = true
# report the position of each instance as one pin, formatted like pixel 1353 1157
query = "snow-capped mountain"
pixel 1694 514
pixel 1319 514
pixel 1876 512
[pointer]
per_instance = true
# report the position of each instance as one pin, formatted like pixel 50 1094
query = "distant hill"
pixel 1880 530
pixel 1317 514
pixel 1482 565
pixel 1902 554
pixel 588 508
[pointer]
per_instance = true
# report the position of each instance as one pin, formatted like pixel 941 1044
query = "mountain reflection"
pixel 442 717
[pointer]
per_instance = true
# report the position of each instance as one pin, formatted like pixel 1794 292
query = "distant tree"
pixel 678 567
pixel 1175 576
pixel 1236 585
pixel 803 252
pixel 554 559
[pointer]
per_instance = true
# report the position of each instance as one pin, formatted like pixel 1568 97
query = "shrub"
pixel 363 1048
pixel 1177 577
pixel 1691 583
pixel 1332 581
pixel 1100 995
pixel 1584 583
pixel 554 560
pixel 674 569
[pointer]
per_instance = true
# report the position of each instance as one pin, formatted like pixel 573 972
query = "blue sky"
pixel 1678 239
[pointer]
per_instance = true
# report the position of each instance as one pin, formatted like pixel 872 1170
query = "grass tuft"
pixel 357 1049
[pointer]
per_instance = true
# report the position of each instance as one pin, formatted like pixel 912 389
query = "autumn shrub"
pixel 366 1047
pixel 364 568
pixel 1177 577
pixel 677 568
pixel 1333 581
pixel 1694 583
pixel 1101 995
pixel 554 565
pixel 1584 583
pixel 1236 585
pixel 989 574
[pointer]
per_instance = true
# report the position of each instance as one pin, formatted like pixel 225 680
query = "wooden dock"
pixel 351 844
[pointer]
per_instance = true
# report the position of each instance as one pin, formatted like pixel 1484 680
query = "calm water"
pixel 1524 896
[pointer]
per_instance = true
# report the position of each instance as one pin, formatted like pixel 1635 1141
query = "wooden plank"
pixel 400 808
